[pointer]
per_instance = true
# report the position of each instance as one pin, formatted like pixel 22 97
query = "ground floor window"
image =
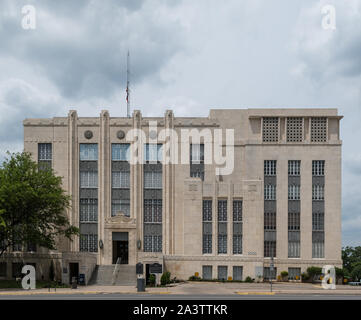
pixel 222 272
pixel 207 272
pixel 152 243
pixel 268 274
pixel 237 273
pixel 294 273
pixel 16 269
pixel 3 269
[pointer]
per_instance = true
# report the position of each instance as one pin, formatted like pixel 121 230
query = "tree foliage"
pixel 32 203
pixel 351 256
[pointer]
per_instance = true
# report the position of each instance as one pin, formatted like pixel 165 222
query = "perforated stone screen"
pixel 270 129
pixel 318 129
pixel 294 129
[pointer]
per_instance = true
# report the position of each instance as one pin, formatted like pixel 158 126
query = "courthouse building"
pixel 282 198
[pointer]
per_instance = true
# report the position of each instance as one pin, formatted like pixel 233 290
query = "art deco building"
pixel 281 199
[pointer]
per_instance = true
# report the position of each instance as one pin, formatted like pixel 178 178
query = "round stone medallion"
pixel 88 134
pixel 120 134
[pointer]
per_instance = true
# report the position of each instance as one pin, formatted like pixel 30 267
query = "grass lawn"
pixel 13 284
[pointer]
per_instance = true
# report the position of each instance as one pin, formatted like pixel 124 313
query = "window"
pixel 222 273
pixel 44 152
pixel 120 205
pixel 270 129
pixel 294 273
pixel 318 168
pixel 207 227
pixel 270 248
pixel 120 151
pixel 152 243
pixel 294 167
pixel 88 210
pixel 269 274
pixel 237 273
pixel 207 272
pixel 152 210
pixel 318 249
pixel 89 242
pixel 222 210
pixel 270 192
pixel 44 156
pixel 121 179
pixel 237 227
pixel 293 192
pixel 222 243
pixel 294 129
pixel 152 180
pixel 88 179
pixel 16 269
pixel 294 249
pixel 153 152
pixel 270 221
pixel 317 192
pixel 293 221
pixel 88 152
pixel 318 221
pixel 270 167
pixel 318 129
pixel 197 153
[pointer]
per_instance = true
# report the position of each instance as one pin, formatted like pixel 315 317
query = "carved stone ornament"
pixel 88 134
pixel 120 134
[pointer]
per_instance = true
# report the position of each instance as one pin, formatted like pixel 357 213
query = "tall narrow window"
pixel 318 167
pixel 237 227
pixel 45 155
pixel 207 226
pixel 270 167
pixel 197 161
pixel 222 226
pixel 153 152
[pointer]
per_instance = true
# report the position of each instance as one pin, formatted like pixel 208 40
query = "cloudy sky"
pixel 188 56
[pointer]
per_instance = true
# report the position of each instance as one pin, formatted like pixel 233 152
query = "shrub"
pixel 305 277
pixel 284 274
pixel 194 278
pixel 313 272
pixel 356 273
pixel 165 278
pixel 152 280
pixel 248 280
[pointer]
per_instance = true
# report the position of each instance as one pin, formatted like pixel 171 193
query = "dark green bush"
pixel 194 278
pixel 248 280
pixel 152 280
pixel 165 278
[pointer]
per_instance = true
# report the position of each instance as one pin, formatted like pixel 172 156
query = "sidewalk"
pixel 190 288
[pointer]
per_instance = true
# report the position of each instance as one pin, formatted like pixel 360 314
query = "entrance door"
pixel 73 271
pixel 120 247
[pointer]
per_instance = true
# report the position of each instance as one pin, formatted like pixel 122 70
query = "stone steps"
pixel 103 275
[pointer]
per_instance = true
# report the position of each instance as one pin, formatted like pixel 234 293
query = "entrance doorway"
pixel 120 247
pixel 73 271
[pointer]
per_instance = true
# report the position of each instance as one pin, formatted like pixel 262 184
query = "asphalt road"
pixel 112 296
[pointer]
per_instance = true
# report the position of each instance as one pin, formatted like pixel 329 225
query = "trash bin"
pixel 74 283
pixel 141 284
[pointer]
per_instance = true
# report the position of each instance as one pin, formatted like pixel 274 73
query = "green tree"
pixel 351 256
pixel 356 272
pixel 32 203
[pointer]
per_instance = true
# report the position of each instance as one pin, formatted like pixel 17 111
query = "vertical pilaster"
pixel 73 173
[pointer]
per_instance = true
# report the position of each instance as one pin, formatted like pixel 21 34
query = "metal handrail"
pixel 116 271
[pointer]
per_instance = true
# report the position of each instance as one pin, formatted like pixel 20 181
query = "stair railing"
pixel 116 271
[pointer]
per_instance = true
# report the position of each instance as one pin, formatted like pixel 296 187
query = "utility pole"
pixel 128 89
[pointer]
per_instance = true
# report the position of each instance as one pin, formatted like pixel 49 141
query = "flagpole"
pixel 128 90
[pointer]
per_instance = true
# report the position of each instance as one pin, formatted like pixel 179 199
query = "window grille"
pixel 318 221
pixel 270 129
pixel 88 152
pixel 88 179
pixel 237 244
pixel 152 180
pixel 294 249
pixel 237 273
pixel 152 243
pixel 270 167
pixel 237 210
pixel 270 221
pixel 270 192
pixel 317 192
pixel 207 210
pixel 88 210
pixel 222 210
pixel 121 179
pixel 44 152
pixel 294 129
pixel 294 167
pixel 152 210
pixel 318 129
pixel 270 248
pixel 293 221
pixel 318 168
pixel 318 249
pixel 89 242
pixel 293 192
pixel 120 151
pixel 222 243
pixel 207 272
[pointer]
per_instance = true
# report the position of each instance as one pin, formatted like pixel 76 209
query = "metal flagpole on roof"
pixel 128 89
